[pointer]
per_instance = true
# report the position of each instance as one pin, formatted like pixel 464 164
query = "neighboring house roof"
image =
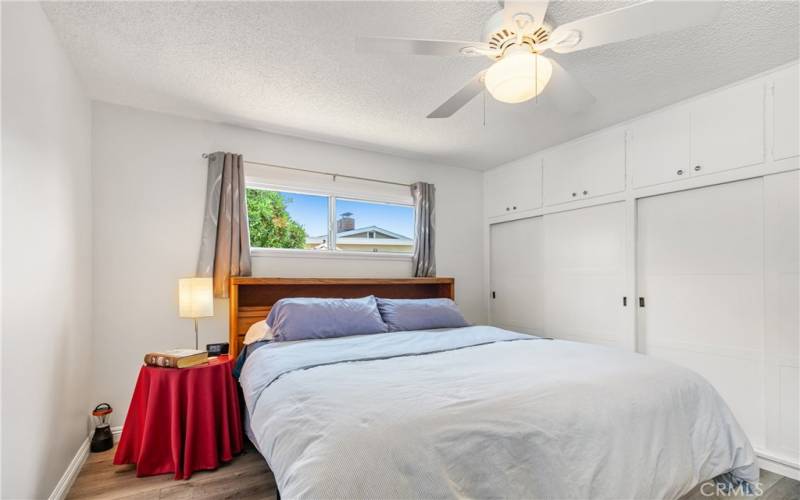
pixel 375 241
pixel 354 233
pixel 359 236
pixel 357 232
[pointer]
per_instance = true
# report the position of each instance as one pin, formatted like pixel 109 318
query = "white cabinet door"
pixel 525 179
pixel 605 170
pixel 782 289
pixel 585 275
pixel 659 149
pixel 587 168
pixel 786 131
pixel 496 185
pixel 561 176
pixel 728 129
pixel 514 187
pixel 700 270
pixel 516 275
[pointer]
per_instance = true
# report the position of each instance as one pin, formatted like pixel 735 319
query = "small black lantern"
pixel 102 439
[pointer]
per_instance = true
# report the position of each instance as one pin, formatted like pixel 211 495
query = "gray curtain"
pixel 424 261
pixel 225 246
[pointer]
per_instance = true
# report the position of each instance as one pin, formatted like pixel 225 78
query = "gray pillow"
pixel 420 314
pixel 314 318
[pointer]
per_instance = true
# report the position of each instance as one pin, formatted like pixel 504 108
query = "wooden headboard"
pixel 252 298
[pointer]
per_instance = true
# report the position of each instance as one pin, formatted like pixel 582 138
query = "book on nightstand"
pixel 176 358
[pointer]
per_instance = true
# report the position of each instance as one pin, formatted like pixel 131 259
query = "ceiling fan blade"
pixel 462 97
pixel 567 94
pixel 535 9
pixel 631 22
pixel 387 45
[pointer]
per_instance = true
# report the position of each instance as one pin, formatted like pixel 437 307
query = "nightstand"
pixel 182 420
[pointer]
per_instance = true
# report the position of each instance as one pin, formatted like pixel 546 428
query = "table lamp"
pixel 195 300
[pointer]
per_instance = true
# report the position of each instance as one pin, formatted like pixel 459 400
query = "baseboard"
pixel 779 465
pixel 74 468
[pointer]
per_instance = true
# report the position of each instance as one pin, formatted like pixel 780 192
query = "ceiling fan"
pixel 516 37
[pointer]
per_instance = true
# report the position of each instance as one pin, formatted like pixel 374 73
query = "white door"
pixel 516 275
pixel 659 149
pixel 700 272
pixel 782 292
pixel 497 184
pixel 728 129
pixel 786 135
pixel 514 187
pixel 585 275
pixel 604 170
pixel 561 176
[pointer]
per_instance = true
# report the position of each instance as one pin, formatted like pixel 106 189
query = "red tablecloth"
pixel 182 420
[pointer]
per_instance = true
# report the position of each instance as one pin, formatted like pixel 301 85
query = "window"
pixel 285 219
pixel 363 226
pixel 279 219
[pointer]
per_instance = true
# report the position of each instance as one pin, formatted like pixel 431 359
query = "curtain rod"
pixel 320 172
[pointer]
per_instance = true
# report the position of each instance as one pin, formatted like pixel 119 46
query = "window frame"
pixel 331 252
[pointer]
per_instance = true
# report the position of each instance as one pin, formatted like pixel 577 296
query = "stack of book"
pixel 176 358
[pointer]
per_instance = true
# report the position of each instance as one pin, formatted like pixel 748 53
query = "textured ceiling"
pixel 291 67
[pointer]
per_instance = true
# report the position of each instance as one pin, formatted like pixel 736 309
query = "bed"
pixel 476 412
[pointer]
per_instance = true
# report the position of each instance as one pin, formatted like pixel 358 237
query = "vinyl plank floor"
pixel 248 477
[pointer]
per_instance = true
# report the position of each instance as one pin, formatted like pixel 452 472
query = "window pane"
pixel 287 220
pixel 362 226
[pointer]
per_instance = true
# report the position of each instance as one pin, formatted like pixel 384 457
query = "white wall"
pixel 47 274
pixel 149 185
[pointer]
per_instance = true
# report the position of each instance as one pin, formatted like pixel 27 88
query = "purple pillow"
pixel 420 314
pixel 313 318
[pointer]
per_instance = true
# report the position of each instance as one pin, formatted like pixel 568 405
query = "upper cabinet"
pixel 659 147
pixel 722 131
pixel 786 132
pixel 514 187
pixel 747 125
pixel 727 129
pixel 589 167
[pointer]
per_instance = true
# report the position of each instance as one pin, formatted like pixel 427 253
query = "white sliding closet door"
pixel 516 275
pixel 782 291
pixel 700 259
pixel 585 275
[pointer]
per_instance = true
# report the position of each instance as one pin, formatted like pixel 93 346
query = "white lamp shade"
pixel 195 297
pixel 518 77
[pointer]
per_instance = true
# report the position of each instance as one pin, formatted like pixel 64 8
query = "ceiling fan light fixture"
pixel 518 77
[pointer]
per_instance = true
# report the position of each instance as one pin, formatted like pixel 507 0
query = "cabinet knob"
pixel 574 195
pixel 585 192
pixel 513 208
pixel 679 172
pixel 697 168
pixel 507 209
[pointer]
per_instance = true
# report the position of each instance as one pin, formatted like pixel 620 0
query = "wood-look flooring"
pixel 248 477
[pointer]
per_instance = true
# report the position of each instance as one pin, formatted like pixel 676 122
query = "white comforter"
pixel 481 412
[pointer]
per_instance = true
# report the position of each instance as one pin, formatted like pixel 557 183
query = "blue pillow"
pixel 314 318
pixel 420 314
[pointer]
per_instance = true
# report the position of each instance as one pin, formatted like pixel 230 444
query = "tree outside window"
pixel 271 225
